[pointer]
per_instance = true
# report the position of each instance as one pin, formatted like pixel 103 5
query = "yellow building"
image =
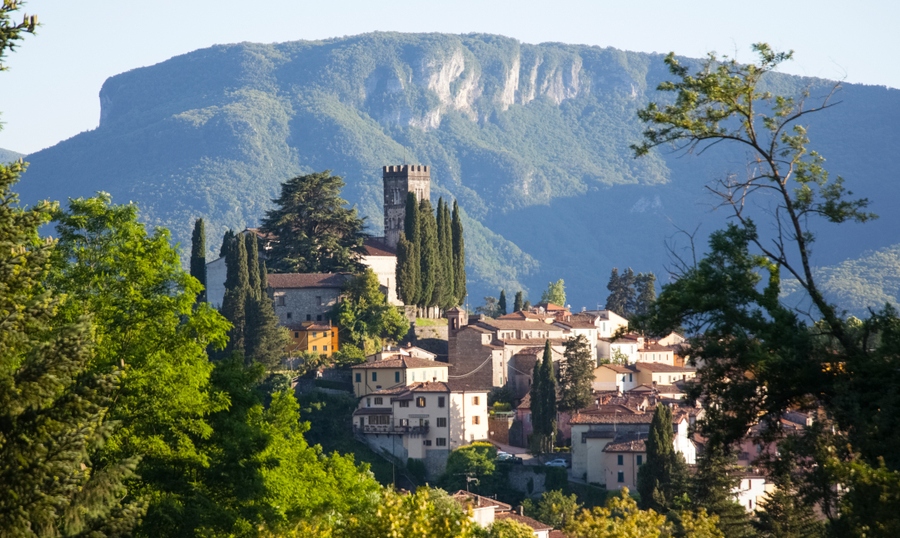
pixel 313 337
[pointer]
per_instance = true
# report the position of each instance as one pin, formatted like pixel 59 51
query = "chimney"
pixel 521 510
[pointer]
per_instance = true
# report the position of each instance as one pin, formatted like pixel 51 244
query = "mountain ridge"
pixel 531 139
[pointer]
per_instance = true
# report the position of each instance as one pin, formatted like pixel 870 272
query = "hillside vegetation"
pixel 533 140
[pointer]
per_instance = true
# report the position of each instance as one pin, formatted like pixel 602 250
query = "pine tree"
pixel 407 270
pixel 713 489
pixel 445 245
pixel 621 298
pixel 645 290
pixel 663 477
pixel 429 255
pixel 578 374
pixel 198 256
pixel 251 245
pixel 783 514
pixel 52 408
pixel 517 302
pixel 237 286
pixel 501 303
pixel 459 256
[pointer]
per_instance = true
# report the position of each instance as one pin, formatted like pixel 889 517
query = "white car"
pixel 558 462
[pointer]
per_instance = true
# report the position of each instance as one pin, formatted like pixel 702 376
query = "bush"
pixel 417 469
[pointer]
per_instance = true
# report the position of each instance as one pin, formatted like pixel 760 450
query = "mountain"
pixel 533 140
pixel 7 156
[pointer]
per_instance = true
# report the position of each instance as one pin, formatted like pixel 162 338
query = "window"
pixel 475 400
pixel 279 300
pixel 332 334
pixel 368 402
pixel 396 377
pixel 404 403
pixel 621 478
pixel 414 375
pixel 374 376
pixel 314 334
pixel 440 401
pixel 630 379
pixel 358 377
pixel 324 348
pixel 315 348
pixel 640 460
pixel 476 420
pixel 319 317
pixel 379 401
pixel 289 315
pixel 296 334
pixel 621 459
pixel 308 317
pixel 442 422
pixel 427 442
pixel 441 441
pixel 319 300
pixel 383 420
pixel 420 401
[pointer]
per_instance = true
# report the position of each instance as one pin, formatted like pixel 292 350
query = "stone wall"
pixel 498 429
pixel 435 462
pixel 304 304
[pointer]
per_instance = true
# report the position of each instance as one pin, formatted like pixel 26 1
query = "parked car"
pixel 506 457
pixel 558 462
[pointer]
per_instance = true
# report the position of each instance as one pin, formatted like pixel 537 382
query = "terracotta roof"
pixel 550 307
pixel 373 411
pixel 470 384
pixel 308 280
pixel 641 388
pixel 516 324
pixel 577 324
pixel 524 316
pixel 669 389
pixel 533 341
pixel 402 361
pixel 657 347
pixel 659 367
pixel 533 523
pixel 375 247
pixel 615 418
pixel 526 402
pixel 306 326
pixel 628 442
pixel 618 368
pixel 477 501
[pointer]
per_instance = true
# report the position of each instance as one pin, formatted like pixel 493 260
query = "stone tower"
pixel 399 180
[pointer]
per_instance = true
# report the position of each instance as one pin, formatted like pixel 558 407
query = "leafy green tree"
pixel 429 256
pixel 555 293
pixel 577 374
pixel 459 256
pixel 508 528
pixel 663 478
pixel 427 512
pixel 198 256
pixel 316 232
pixel 365 314
pixel 501 303
pixel 555 508
pixel 517 302
pixel 713 487
pixel 490 308
pixel 474 461
pixel 148 324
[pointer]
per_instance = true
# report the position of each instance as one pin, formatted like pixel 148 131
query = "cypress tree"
pixel 265 340
pixel 411 229
pixel 459 256
pixel 663 477
pixel 251 245
pixel 501 303
pixel 517 302
pixel 548 404
pixel 445 243
pixel 411 218
pixel 237 284
pixel 226 243
pixel 537 409
pixel 429 255
pixel 198 256
pixel 407 270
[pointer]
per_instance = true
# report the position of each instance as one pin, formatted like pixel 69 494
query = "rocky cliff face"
pixel 533 140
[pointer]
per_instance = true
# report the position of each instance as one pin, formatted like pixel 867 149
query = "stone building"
pixel 301 297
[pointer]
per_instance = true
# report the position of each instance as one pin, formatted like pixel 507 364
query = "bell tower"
pixel 398 181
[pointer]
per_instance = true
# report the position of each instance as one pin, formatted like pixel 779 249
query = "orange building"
pixel 314 337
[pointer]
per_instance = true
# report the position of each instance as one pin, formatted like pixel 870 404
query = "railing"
pixel 392 430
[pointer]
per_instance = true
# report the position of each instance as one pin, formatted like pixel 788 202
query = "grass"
pixel 429 322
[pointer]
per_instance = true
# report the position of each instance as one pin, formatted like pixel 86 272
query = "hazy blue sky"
pixel 50 93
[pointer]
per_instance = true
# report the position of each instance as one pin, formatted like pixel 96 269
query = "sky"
pixel 50 92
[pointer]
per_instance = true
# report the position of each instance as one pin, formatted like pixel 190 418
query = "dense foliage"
pixel 543 403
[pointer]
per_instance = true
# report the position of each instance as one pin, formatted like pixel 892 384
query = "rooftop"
pixel 612 418
pixel 659 367
pixel 402 361
pixel 628 442
pixel 374 247
pixel 525 520
pixel 308 280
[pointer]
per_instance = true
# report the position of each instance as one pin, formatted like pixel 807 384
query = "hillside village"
pixel 419 405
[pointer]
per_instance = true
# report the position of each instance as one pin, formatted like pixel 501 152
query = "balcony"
pixel 389 429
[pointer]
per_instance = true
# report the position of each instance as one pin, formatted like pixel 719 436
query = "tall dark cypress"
pixel 445 246
pixel 459 256
pixel 537 408
pixel 198 256
pixel 517 302
pixel 501 303
pixel 429 256
pixel 413 259
pixel 548 400
pixel 407 271
pixel 237 283
pixel 226 243
pixel 251 245
pixel 664 476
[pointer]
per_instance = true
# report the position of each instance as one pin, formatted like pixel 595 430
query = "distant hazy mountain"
pixel 9 156
pixel 531 139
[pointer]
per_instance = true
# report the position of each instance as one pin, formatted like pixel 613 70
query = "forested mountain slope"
pixel 531 139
